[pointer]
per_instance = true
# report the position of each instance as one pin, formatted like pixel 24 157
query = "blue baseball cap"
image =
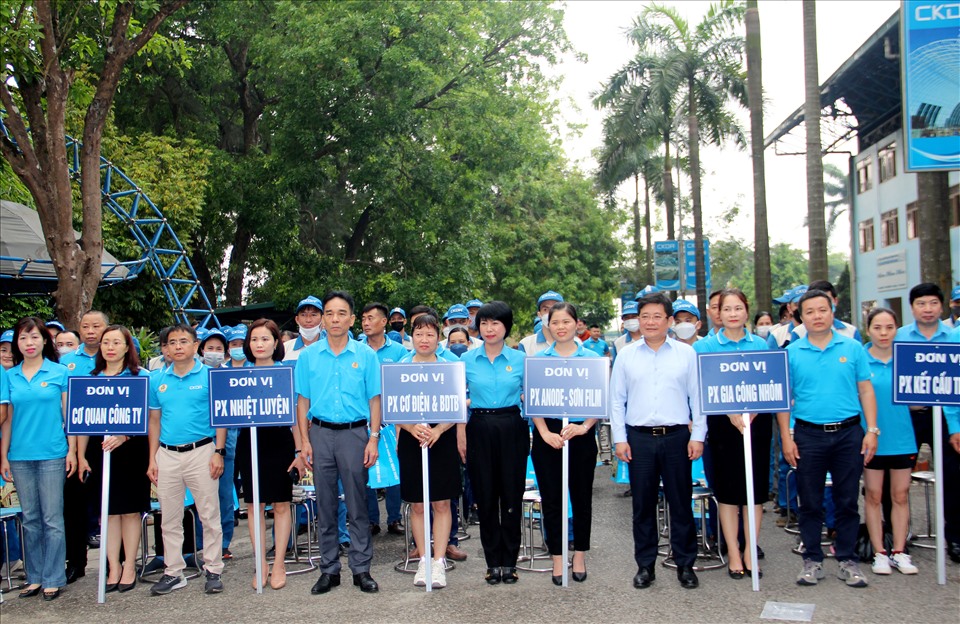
pixel 646 290
pixel 237 332
pixel 7 336
pixel 55 323
pixel 310 301
pixel 398 311
pixel 213 333
pixel 630 307
pixel 682 305
pixel 457 311
pixel 955 293
pixel 136 344
pixel 786 297
pixel 798 292
pixel 550 295
pixel 473 303
pixel 202 333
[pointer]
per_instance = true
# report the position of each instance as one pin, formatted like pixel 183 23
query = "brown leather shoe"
pixel 456 554
pixel 414 553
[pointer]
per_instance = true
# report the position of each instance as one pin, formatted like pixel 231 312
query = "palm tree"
pixel 762 280
pixel 816 227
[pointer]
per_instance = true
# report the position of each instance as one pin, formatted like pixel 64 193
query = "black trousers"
pixel 548 462
pixel 497 449
pixel 76 521
pixel 923 430
pixel 655 458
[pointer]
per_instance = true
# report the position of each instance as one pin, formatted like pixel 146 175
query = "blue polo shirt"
pixel 37 431
pixel 910 333
pixel 896 427
pixel 339 387
pixel 719 343
pixel 598 346
pixel 582 351
pixel 184 403
pixel 391 351
pixel 79 362
pixel 494 384
pixel 824 381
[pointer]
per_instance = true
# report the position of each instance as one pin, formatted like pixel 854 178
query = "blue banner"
pixel 666 265
pixel 690 264
pixel 931 84
pixel 252 396
pixel 926 373
pixel 574 388
pixel 107 405
pixel 744 382
pixel 423 392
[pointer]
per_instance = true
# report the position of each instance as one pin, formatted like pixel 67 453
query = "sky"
pixel 596 29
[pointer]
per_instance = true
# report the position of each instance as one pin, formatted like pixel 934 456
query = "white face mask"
pixel 65 350
pixel 763 331
pixel 545 318
pixel 685 331
pixel 447 330
pixel 310 333
pixel 632 325
pixel 213 359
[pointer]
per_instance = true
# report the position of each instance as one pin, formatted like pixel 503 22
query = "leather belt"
pixel 183 448
pixel 659 431
pixel 339 426
pixel 829 427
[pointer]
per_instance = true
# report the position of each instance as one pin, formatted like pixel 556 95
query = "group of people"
pixel 841 404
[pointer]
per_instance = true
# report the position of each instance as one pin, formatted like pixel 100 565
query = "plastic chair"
pixel 146 557
pixel 927 479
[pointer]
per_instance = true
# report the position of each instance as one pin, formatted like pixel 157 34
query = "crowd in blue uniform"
pixel 842 423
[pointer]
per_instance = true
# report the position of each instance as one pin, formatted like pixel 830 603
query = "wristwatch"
pixel 375 435
pixel 875 430
pixel 222 452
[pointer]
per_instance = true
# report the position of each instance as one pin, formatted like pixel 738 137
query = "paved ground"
pixel 606 596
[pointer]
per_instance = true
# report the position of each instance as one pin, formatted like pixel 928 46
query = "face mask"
pixel 397 326
pixel 65 350
pixel 473 320
pixel 955 311
pixel 632 325
pixel 458 349
pixel 545 318
pixel 310 333
pixel 213 359
pixel 685 331
pixel 763 331
pixel 236 353
pixel 447 330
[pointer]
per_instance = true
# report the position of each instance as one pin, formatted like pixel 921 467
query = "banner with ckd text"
pixel 926 373
pixel 101 405
pixel 252 396
pixel 574 388
pixel 423 392
pixel 744 382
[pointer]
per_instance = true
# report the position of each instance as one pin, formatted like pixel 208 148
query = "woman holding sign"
pixel 129 460
pixel 548 438
pixel 444 464
pixel 277 457
pixel 726 438
pixel 37 455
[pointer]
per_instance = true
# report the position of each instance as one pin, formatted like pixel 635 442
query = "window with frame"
pixel 863 175
pixel 887 161
pixel 913 220
pixel 889 228
pixel 866 235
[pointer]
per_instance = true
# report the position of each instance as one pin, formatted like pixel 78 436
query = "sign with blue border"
pixel 423 392
pixel 690 264
pixel 926 373
pixel 101 405
pixel 574 388
pixel 666 264
pixel 252 396
pixel 744 382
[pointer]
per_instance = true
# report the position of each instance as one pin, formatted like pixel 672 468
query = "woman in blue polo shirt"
pixel 549 434
pixel 129 485
pixel 726 438
pixel 896 450
pixel 496 440
pixel 36 454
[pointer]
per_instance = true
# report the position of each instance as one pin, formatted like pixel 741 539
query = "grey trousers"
pixel 338 454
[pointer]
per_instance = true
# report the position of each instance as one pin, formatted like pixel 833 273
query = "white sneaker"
pixel 420 579
pixel 881 564
pixel 439 574
pixel 901 561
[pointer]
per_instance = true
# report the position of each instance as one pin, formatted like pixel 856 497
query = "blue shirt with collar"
pixel 497 384
pixel 896 427
pixel 720 343
pixel 844 329
pixel 598 346
pixel 79 363
pixel 910 333
pixel 582 351
pixel 391 351
pixel 446 354
pixel 339 387
pixel 184 403
pixel 824 381
pixel 656 388
pixel 37 426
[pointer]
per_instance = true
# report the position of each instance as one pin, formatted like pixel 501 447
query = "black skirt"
pixel 275 450
pixel 444 467
pixel 729 470
pixel 129 484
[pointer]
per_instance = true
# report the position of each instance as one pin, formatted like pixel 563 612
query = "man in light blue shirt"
pixel 653 393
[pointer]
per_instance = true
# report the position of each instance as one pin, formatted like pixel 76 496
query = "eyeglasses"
pixel 180 343
pixel 113 343
pixel 653 317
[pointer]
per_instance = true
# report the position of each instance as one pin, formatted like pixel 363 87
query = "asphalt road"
pixel 606 596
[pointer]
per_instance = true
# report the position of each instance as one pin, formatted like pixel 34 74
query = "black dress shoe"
pixel 644 578
pixel 687 577
pixel 509 575
pixel 74 573
pixel 49 596
pixel 579 576
pixel 111 587
pixel 760 553
pixel 366 583
pixel 493 576
pixel 557 580
pixel 953 550
pixel 749 573
pixel 325 583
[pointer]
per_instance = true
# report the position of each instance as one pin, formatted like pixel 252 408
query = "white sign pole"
pixel 428 550
pixel 938 492
pixel 565 506
pixel 257 518
pixel 751 510
pixel 104 522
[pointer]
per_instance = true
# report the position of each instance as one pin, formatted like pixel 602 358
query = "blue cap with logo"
pixel 7 336
pixel 398 311
pixel 310 301
pixel 473 303
pixel 237 332
pixel 786 297
pixel 646 290
pixel 682 305
pixel 213 333
pixel 630 307
pixel 457 311
pixel 55 323
pixel 798 292
pixel 202 334
pixel 550 295
pixel 955 293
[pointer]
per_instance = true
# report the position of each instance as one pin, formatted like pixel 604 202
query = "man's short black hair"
pixel 594 325
pixel 823 285
pixel 376 305
pixel 339 294
pixel 496 311
pixel 422 309
pixel 657 298
pixel 811 294
pixel 926 289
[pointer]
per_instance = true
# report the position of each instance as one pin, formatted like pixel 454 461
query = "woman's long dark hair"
pixel 29 323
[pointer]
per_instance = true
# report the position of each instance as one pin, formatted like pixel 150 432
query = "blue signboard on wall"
pixel 930 62
pixel 252 396
pixel 101 405
pixel 690 264
pixel 744 382
pixel 666 265
pixel 926 373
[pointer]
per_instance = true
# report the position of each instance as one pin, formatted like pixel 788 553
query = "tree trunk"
pixel 817 230
pixel 233 294
pixel 668 184
pixel 648 265
pixel 933 200
pixel 762 279
pixel 694 154
pixel 637 245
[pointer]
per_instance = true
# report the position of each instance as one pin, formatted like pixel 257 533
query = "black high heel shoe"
pixel 30 593
pixel 111 587
pixel 557 580
pixel 579 576
pixel 125 587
